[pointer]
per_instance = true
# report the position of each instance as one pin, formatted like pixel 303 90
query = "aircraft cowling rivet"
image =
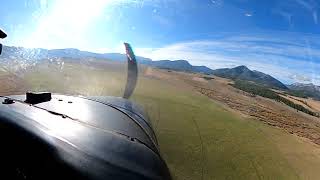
pixel 8 101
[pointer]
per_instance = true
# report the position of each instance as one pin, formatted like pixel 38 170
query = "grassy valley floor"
pixel 200 138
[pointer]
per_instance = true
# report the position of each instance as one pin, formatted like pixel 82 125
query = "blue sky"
pixel 279 37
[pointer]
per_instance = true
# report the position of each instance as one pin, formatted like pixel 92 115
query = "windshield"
pixel 232 88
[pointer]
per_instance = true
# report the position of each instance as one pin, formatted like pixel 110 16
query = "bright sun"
pixel 66 21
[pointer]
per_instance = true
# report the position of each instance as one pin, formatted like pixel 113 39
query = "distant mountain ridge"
pixel 180 65
pixel 302 86
pixel 308 90
pixel 240 72
pixel 244 73
pixel 11 52
pixel 35 54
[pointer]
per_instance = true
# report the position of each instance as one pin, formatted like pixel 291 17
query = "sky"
pixel 278 37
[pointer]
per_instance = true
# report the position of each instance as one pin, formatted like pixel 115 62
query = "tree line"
pixel 255 89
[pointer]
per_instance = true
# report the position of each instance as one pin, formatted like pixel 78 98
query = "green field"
pixel 198 138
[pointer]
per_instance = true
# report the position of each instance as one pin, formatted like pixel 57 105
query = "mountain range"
pixel 11 52
pixel 301 86
pixel 240 72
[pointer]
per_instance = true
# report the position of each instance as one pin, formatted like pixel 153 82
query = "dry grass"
pixel 282 129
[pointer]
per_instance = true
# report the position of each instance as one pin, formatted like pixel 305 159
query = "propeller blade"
pixel 132 72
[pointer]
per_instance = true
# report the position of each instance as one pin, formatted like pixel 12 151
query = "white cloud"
pixel 315 17
pixel 115 49
pixel 162 20
pixel 311 6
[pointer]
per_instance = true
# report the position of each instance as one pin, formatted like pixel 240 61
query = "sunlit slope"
pixel 198 138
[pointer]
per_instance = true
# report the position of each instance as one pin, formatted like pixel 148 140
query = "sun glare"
pixel 66 22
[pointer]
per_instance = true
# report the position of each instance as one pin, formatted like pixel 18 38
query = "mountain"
pixel 35 54
pixel 244 73
pixel 305 87
pixel 202 69
pixel 306 90
pixel 180 65
pixel 11 52
pixel 241 72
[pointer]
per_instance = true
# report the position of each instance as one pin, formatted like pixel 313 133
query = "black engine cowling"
pixel 78 138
